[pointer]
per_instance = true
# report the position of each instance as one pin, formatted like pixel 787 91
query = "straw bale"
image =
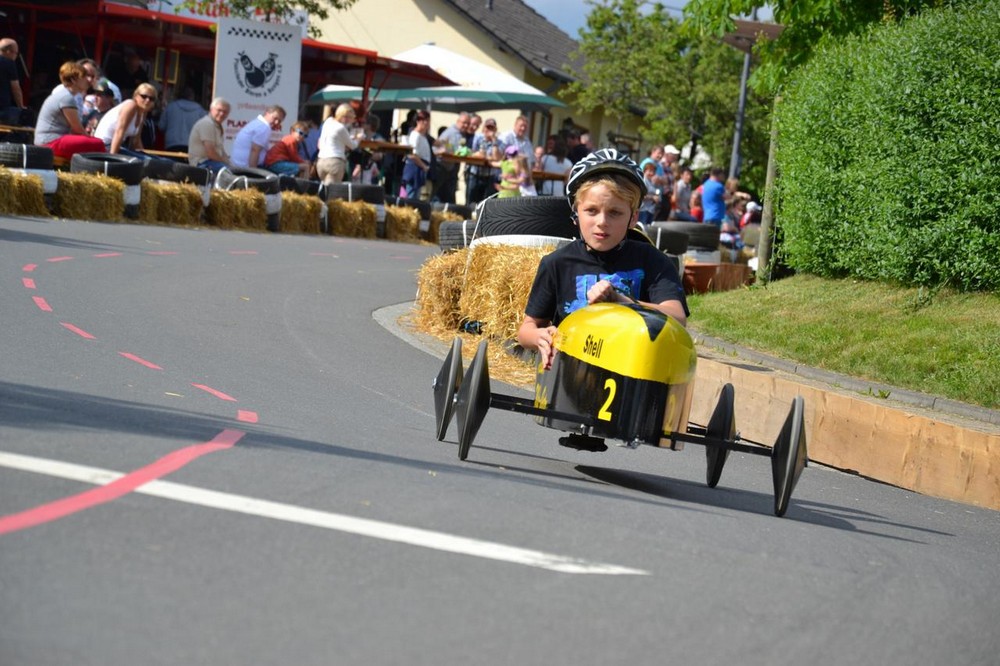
pixel 351 218
pixel 439 287
pixel 21 194
pixel 402 223
pixel 87 196
pixel 170 203
pixel 497 283
pixel 237 209
pixel 437 217
pixel 300 213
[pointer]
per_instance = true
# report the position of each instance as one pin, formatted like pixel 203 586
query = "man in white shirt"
pixel 251 142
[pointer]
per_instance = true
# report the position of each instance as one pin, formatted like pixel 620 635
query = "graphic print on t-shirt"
pixel 626 282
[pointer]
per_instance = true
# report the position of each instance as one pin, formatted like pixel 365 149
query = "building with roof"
pixel 505 34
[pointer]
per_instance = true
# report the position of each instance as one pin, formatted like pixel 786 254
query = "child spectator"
pixel 651 201
pixel 604 191
pixel 510 182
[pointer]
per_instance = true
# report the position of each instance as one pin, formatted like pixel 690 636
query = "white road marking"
pixel 327 520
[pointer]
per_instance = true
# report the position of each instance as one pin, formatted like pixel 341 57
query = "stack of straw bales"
pixel 87 196
pixel 402 223
pixel 300 213
pixel 488 283
pixel 21 195
pixel 355 219
pixel 170 203
pixel 237 209
pixel 437 218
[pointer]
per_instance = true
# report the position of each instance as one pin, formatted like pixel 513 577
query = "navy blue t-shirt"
pixel 636 269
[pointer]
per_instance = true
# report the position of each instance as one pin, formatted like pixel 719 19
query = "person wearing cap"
pixel 484 178
pixel 96 105
pixel 604 191
pixel 510 179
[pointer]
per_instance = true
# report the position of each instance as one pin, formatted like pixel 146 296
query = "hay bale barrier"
pixel 300 213
pixel 170 203
pixel 439 287
pixel 402 223
pixel 21 194
pixel 437 218
pixel 85 196
pixel 355 219
pixel 497 283
pixel 237 209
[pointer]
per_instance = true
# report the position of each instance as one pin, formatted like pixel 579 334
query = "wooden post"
pixel 767 215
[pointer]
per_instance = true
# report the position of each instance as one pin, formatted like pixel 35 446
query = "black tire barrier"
pixel 288 184
pixel 25 156
pixel 158 169
pixel 129 170
pixel 538 216
pixel 455 235
pixel 308 187
pixel 274 222
pixel 373 194
pixel 667 239
pixel 185 173
pixel 422 207
pixel 700 235
pixel 464 211
pixel 239 178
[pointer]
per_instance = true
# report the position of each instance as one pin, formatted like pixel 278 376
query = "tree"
pixel 637 59
pixel 319 9
pixel 805 21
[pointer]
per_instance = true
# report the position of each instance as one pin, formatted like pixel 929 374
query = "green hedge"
pixel 889 153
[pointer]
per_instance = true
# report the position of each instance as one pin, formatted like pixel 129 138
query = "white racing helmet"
pixel 605 160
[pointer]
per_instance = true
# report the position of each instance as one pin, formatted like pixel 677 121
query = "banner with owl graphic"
pixel 257 65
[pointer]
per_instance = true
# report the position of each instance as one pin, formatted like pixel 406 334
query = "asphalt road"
pixel 212 453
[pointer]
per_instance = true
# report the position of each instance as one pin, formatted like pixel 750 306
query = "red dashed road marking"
pixel 217 394
pixel 126 484
pixel 163 253
pixel 42 304
pixel 53 260
pixel 246 416
pixel 27 268
pixel 141 361
pixel 107 254
pixel 79 331
pixel 28 283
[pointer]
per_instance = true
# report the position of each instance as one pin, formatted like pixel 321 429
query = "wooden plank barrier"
pixel 931 454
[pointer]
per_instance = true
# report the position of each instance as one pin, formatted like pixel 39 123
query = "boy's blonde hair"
pixel 620 186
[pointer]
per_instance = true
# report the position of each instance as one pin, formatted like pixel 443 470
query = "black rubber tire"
pixel 446 385
pixel 185 173
pixel 455 235
pixel 159 170
pixel 667 239
pixel 700 235
pixel 473 400
pixel 422 207
pixel 246 179
pixel 722 425
pixel 25 156
pixel 789 456
pixel 373 194
pixel 308 187
pixel 464 211
pixel 129 170
pixel 538 216
pixel 288 184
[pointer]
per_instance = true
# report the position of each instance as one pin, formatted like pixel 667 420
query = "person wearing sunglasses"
pixel 120 127
pixel 283 157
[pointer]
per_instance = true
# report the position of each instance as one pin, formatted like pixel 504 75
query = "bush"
pixel 889 158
